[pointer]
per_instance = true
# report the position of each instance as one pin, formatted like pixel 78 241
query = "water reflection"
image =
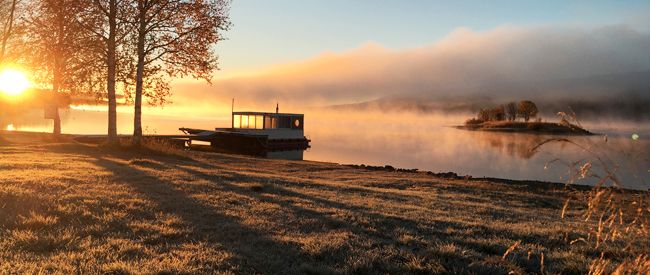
pixel 521 146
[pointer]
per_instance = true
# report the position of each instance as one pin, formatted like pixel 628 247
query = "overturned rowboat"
pixel 272 135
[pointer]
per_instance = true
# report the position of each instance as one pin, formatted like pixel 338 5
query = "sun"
pixel 13 82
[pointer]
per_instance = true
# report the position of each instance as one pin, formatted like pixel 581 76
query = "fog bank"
pixel 504 63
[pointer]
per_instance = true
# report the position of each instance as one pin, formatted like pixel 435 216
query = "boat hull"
pixel 251 144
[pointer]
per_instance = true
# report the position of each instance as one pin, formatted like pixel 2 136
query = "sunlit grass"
pixel 70 208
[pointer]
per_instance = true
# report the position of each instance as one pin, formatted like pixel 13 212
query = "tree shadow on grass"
pixel 381 228
pixel 255 250
pixel 278 188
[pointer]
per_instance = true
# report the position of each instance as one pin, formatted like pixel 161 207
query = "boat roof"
pixel 266 114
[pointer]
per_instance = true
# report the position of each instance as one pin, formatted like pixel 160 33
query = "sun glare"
pixel 13 82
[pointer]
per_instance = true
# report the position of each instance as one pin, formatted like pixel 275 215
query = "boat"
pixel 271 135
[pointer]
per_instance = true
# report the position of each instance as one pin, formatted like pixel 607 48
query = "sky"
pixel 266 33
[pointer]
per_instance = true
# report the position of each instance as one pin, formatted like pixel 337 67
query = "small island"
pixel 506 118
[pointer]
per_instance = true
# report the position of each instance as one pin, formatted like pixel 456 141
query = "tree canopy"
pixel 113 49
pixel 527 109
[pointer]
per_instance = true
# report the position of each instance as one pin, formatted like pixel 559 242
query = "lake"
pixel 427 142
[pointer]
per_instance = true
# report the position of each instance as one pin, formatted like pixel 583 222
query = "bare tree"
pixel 527 109
pixel 173 38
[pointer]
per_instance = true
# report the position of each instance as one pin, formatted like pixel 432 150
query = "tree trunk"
pixel 137 118
pixel 56 79
pixel 111 62
pixel 8 29
pixel 5 37
pixel 55 91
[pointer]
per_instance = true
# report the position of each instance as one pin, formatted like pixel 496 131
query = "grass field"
pixel 68 207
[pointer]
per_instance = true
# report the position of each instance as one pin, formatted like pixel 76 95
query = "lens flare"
pixel 13 82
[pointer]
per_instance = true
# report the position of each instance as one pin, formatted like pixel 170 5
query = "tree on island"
pixel 497 113
pixel 507 112
pixel 527 109
pixel 483 115
pixel 510 110
pixel 491 114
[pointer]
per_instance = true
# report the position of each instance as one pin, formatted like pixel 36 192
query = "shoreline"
pixel 455 176
pixel 537 128
pixel 47 137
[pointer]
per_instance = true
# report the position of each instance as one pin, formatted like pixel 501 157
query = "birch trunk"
pixel 137 119
pixel 56 80
pixel 111 62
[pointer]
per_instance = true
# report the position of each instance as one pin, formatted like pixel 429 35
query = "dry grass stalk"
pixel 564 208
pixel 510 249
pixel 541 264
pixel 621 216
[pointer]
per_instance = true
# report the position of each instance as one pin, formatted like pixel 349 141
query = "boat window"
pixel 259 122
pixel 267 122
pixel 251 122
pixel 270 122
pixel 285 122
pixel 236 121
pixel 244 121
pixel 297 122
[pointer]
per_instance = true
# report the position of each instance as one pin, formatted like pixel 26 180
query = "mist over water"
pixel 423 141
pixel 428 143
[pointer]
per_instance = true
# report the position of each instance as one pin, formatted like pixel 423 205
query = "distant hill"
pixel 621 96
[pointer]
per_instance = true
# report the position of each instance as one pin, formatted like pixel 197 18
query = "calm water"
pixel 428 143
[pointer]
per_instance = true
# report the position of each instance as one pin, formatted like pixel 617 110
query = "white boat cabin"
pixel 275 125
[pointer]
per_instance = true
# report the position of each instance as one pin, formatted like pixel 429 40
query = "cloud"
pixel 503 62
